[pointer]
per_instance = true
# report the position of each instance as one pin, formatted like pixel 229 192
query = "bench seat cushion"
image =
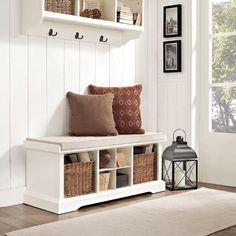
pixel 74 143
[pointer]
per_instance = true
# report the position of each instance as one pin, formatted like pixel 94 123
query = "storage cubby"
pixel 107 159
pixel 80 173
pixel 123 157
pixel 124 177
pixel 145 163
pixel 107 180
pixel 107 8
pixel 135 6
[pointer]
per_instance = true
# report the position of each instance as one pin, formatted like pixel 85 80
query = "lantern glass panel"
pixel 180 174
pixel 167 172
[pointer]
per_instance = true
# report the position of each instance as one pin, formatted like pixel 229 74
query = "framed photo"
pixel 172 56
pixel 173 21
pixel 90 4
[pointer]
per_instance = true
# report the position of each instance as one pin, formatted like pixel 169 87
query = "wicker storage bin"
pixel 144 168
pixel 79 178
pixel 104 179
pixel 60 6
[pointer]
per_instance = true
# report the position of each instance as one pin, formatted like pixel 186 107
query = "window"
pixel 223 65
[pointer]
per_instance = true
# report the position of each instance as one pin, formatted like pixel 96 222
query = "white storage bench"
pixel 45 169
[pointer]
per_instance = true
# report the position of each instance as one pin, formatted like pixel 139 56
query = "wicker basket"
pixel 79 178
pixel 144 168
pixel 60 6
pixel 104 179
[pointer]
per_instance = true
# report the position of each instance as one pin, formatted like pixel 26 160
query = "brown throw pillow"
pixel 91 115
pixel 126 107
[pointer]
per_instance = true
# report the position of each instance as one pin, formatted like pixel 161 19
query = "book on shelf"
pixel 123 8
pixel 149 149
pixel 137 19
pixel 121 13
pixel 125 17
pixel 129 22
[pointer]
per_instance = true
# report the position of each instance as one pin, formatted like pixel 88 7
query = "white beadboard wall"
pixel 37 72
pixel 174 89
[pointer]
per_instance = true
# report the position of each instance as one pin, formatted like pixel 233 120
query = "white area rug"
pixel 196 213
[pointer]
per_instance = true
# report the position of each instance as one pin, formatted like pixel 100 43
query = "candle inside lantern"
pixel 180 178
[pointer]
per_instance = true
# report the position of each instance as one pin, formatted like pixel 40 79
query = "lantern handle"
pixel 180 130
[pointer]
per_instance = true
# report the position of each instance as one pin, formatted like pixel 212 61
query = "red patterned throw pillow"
pixel 126 107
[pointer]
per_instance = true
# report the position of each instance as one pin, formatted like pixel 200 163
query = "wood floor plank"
pixel 22 216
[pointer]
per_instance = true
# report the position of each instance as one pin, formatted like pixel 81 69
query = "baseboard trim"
pixel 10 197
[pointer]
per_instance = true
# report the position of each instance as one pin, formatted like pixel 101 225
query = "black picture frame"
pixel 172 21
pixel 172 56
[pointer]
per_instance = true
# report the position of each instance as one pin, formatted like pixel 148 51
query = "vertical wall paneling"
pixel 141 68
pixel 72 66
pixel 87 65
pixel 176 85
pixel 129 63
pixel 102 64
pixel 172 109
pixel 19 95
pixel 152 66
pixel 37 87
pixel 4 96
pixel 55 87
pixel 116 62
pixel 72 74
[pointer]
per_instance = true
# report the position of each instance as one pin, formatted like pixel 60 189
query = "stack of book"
pixel 124 15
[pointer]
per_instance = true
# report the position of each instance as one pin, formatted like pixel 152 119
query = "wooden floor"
pixel 22 216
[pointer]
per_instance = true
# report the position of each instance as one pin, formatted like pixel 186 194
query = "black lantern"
pixel 180 165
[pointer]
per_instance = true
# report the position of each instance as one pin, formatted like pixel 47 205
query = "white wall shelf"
pixel 45 186
pixel 37 21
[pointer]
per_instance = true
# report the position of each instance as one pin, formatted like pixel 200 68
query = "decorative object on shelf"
pixel 83 157
pixel 124 15
pixel 60 6
pixel 172 56
pixel 121 180
pixel 87 13
pixel 91 9
pixel 50 33
pixel 95 13
pixel 102 40
pixel 137 17
pixel 104 179
pixel 144 168
pixel 180 165
pixel 77 36
pixel 79 178
pixel 173 21
pixel 104 158
pixel 121 159
pixel 126 107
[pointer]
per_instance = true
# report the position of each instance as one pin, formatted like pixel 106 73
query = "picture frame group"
pixel 172 50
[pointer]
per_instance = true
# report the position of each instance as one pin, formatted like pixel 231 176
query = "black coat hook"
pixel 50 33
pixel 78 37
pixel 102 39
